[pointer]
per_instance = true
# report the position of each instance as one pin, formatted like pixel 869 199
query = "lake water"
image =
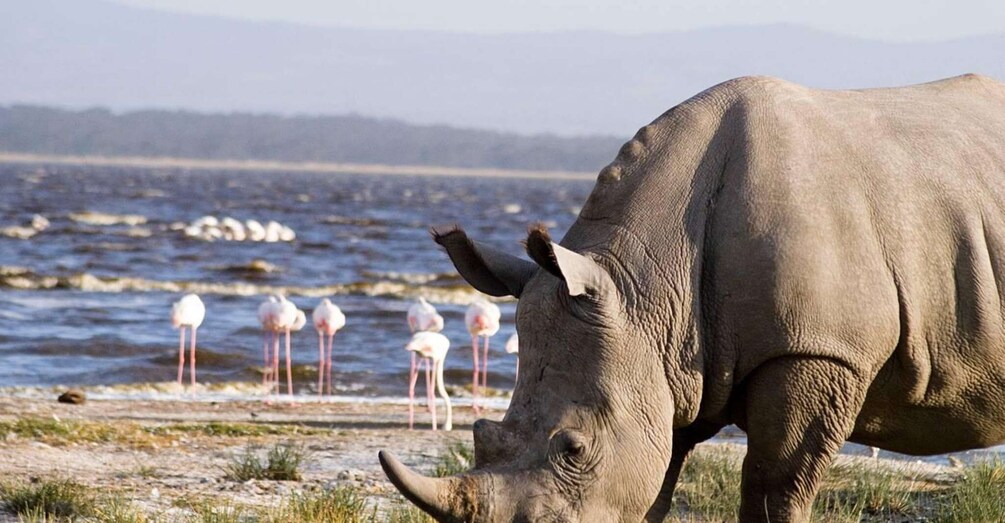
pixel 86 301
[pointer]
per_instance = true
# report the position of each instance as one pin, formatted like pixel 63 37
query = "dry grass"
pixel 282 463
pixel 58 432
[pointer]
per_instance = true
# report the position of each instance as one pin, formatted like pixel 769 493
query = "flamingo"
pixel 288 318
pixel 189 311
pixel 268 315
pixel 432 347
pixel 482 320
pixel 277 315
pixel 513 347
pixel 422 317
pixel 328 319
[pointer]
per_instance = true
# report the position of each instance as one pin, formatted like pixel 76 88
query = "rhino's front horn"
pixel 453 499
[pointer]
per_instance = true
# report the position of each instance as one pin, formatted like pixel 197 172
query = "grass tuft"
pixel 979 495
pixel 282 463
pixel 864 491
pixel 709 485
pixel 458 458
pixel 48 499
pixel 64 432
pixel 338 505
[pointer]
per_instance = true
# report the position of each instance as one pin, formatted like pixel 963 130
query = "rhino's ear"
pixel 580 274
pixel 489 270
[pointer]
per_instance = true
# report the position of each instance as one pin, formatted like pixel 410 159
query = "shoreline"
pixel 147 162
pixel 168 458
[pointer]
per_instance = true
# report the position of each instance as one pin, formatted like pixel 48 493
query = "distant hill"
pixel 340 139
pixel 84 53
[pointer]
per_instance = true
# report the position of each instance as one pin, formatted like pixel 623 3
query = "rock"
pixel 74 396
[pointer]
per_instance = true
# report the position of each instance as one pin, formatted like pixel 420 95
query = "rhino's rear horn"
pixel 580 273
pixel 489 270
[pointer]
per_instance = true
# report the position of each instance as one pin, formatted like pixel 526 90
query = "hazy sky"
pixel 876 19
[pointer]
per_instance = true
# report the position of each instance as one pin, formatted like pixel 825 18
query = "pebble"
pixel 72 396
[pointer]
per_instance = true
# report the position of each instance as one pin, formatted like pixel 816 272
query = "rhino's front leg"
pixel 684 440
pixel 799 411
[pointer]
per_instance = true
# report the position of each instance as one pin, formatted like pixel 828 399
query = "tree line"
pixel 243 136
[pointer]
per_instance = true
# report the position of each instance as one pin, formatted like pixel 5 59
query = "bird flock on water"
pixel 427 348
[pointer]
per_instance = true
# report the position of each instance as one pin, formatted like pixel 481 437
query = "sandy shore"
pixel 166 475
pixel 342 440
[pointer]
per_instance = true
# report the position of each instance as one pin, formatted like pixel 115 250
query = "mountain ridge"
pixel 82 53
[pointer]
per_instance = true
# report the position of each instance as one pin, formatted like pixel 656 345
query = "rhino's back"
pixel 869 227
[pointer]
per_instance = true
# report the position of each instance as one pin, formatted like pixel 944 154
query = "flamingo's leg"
pixel 516 379
pixel 289 369
pixel 266 368
pixel 433 410
pixel 331 350
pixel 321 363
pixel 181 353
pixel 485 366
pixel 275 361
pixel 191 358
pixel 474 379
pixel 413 374
pixel 430 398
pixel 449 423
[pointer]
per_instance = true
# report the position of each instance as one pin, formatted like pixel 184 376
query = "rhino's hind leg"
pixel 799 411
pixel 684 440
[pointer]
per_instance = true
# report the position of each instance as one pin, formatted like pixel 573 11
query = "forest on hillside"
pixel 243 136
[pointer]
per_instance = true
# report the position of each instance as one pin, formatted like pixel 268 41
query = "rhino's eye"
pixel 569 443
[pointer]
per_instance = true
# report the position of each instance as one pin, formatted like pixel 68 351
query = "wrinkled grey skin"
pixel 813 266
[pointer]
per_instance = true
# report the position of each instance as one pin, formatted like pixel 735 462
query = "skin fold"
pixel 812 266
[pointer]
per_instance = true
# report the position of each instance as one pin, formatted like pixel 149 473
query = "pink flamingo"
pixel 432 347
pixel 482 320
pixel 513 347
pixel 288 319
pixel 278 315
pixel 268 316
pixel 189 311
pixel 422 317
pixel 328 319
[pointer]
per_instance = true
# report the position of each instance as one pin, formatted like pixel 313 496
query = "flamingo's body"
pixel 431 347
pixel 278 316
pixel 482 320
pixel 422 317
pixel 189 312
pixel 287 319
pixel 268 316
pixel 513 347
pixel 328 319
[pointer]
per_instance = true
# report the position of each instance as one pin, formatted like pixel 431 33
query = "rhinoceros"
pixel 812 266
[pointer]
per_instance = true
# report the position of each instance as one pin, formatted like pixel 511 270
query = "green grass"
pixel 709 485
pixel 48 499
pixel 207 510
pixel 282 463
pixel 459 457
pixel 234 430
pixel 117 509
pixel 65 432
pixel 338 505
pixel 863 491
pixel 344 504
pixel 979 495
pixel 53 431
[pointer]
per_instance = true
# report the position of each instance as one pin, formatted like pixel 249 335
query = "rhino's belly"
pixel 961 408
